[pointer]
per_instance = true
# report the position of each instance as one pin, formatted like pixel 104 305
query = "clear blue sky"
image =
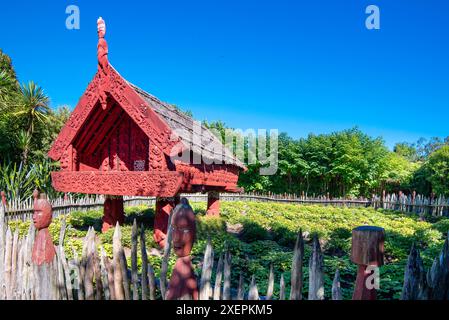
pixel 298 66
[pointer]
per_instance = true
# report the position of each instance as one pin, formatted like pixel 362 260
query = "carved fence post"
pixel 368 253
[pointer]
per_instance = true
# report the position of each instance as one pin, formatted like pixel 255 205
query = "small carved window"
pixel 139 165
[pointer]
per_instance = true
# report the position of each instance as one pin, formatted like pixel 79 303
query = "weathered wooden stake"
pixel 218 276
pixel 152 282
pixel 227 277
pixel 316 272
pixel 253 293
pixel 166 256
pixel 241 289
pixel 104 274
pixel 206 273
pixel 296 272
pixel 336 288
pixel 438 275
pixel 134 277
pixel 143 253
pixel 89 269
pixel 270 283
pixel 282 288
pixel 117 265
pixel 415 287
pixel 8 263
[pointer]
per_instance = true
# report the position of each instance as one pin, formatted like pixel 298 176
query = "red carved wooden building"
pixel 121 140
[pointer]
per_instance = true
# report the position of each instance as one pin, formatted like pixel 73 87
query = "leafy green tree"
pixel 438 166
pixel 407 150
pixel 32 107
pixel 399 173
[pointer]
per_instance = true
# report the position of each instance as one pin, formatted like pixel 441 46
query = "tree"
pixel 32 107
pixel 438 166
pixel 399 172
pixel 407 150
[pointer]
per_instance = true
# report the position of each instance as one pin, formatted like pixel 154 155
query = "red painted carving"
pixel 113 212
pixel 222 176
pixel 213 203
pixel 103 63
pixel 165 184
pixel 43 248
pixel 114 143
pixel 183 284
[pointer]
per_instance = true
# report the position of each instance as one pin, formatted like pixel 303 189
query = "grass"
pixel 266 235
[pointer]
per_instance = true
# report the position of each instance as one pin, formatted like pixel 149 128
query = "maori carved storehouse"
pixel 120 140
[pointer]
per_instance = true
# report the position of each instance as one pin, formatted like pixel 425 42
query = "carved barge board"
pixel 163 184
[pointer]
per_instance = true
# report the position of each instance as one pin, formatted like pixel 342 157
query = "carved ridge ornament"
pixel 163 183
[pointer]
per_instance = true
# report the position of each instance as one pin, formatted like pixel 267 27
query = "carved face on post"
pixel 101 27
pixel 42 214
pixel 183 231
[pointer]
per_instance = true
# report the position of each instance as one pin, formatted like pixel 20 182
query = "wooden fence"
pixel 436 206
pixel 95 276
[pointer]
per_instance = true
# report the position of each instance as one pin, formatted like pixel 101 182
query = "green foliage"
pixel 19 180
pixel 438 167
pixel 345 163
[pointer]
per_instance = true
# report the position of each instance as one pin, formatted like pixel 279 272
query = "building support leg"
pixel 213 203
pixel 113 212
pixel 164 207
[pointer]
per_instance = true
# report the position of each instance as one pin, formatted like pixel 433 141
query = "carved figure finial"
pixel 103 63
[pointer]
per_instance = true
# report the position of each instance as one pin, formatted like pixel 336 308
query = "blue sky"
pixel 298 66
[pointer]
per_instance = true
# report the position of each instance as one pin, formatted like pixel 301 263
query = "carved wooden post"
pixel 113 212
pixel 164 207
pixel 43 249
pixel 183 283
pixel 213 203
pixel 367 252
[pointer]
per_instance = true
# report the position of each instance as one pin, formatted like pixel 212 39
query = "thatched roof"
pixel 183 126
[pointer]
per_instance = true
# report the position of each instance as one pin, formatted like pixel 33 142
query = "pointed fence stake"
pixel 270 283
pixel 296 272
pixel 336 288
pixel 206 273
pixel 218 277
pixel 316 272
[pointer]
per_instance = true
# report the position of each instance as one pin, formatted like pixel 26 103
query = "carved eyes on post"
pixel 183 230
